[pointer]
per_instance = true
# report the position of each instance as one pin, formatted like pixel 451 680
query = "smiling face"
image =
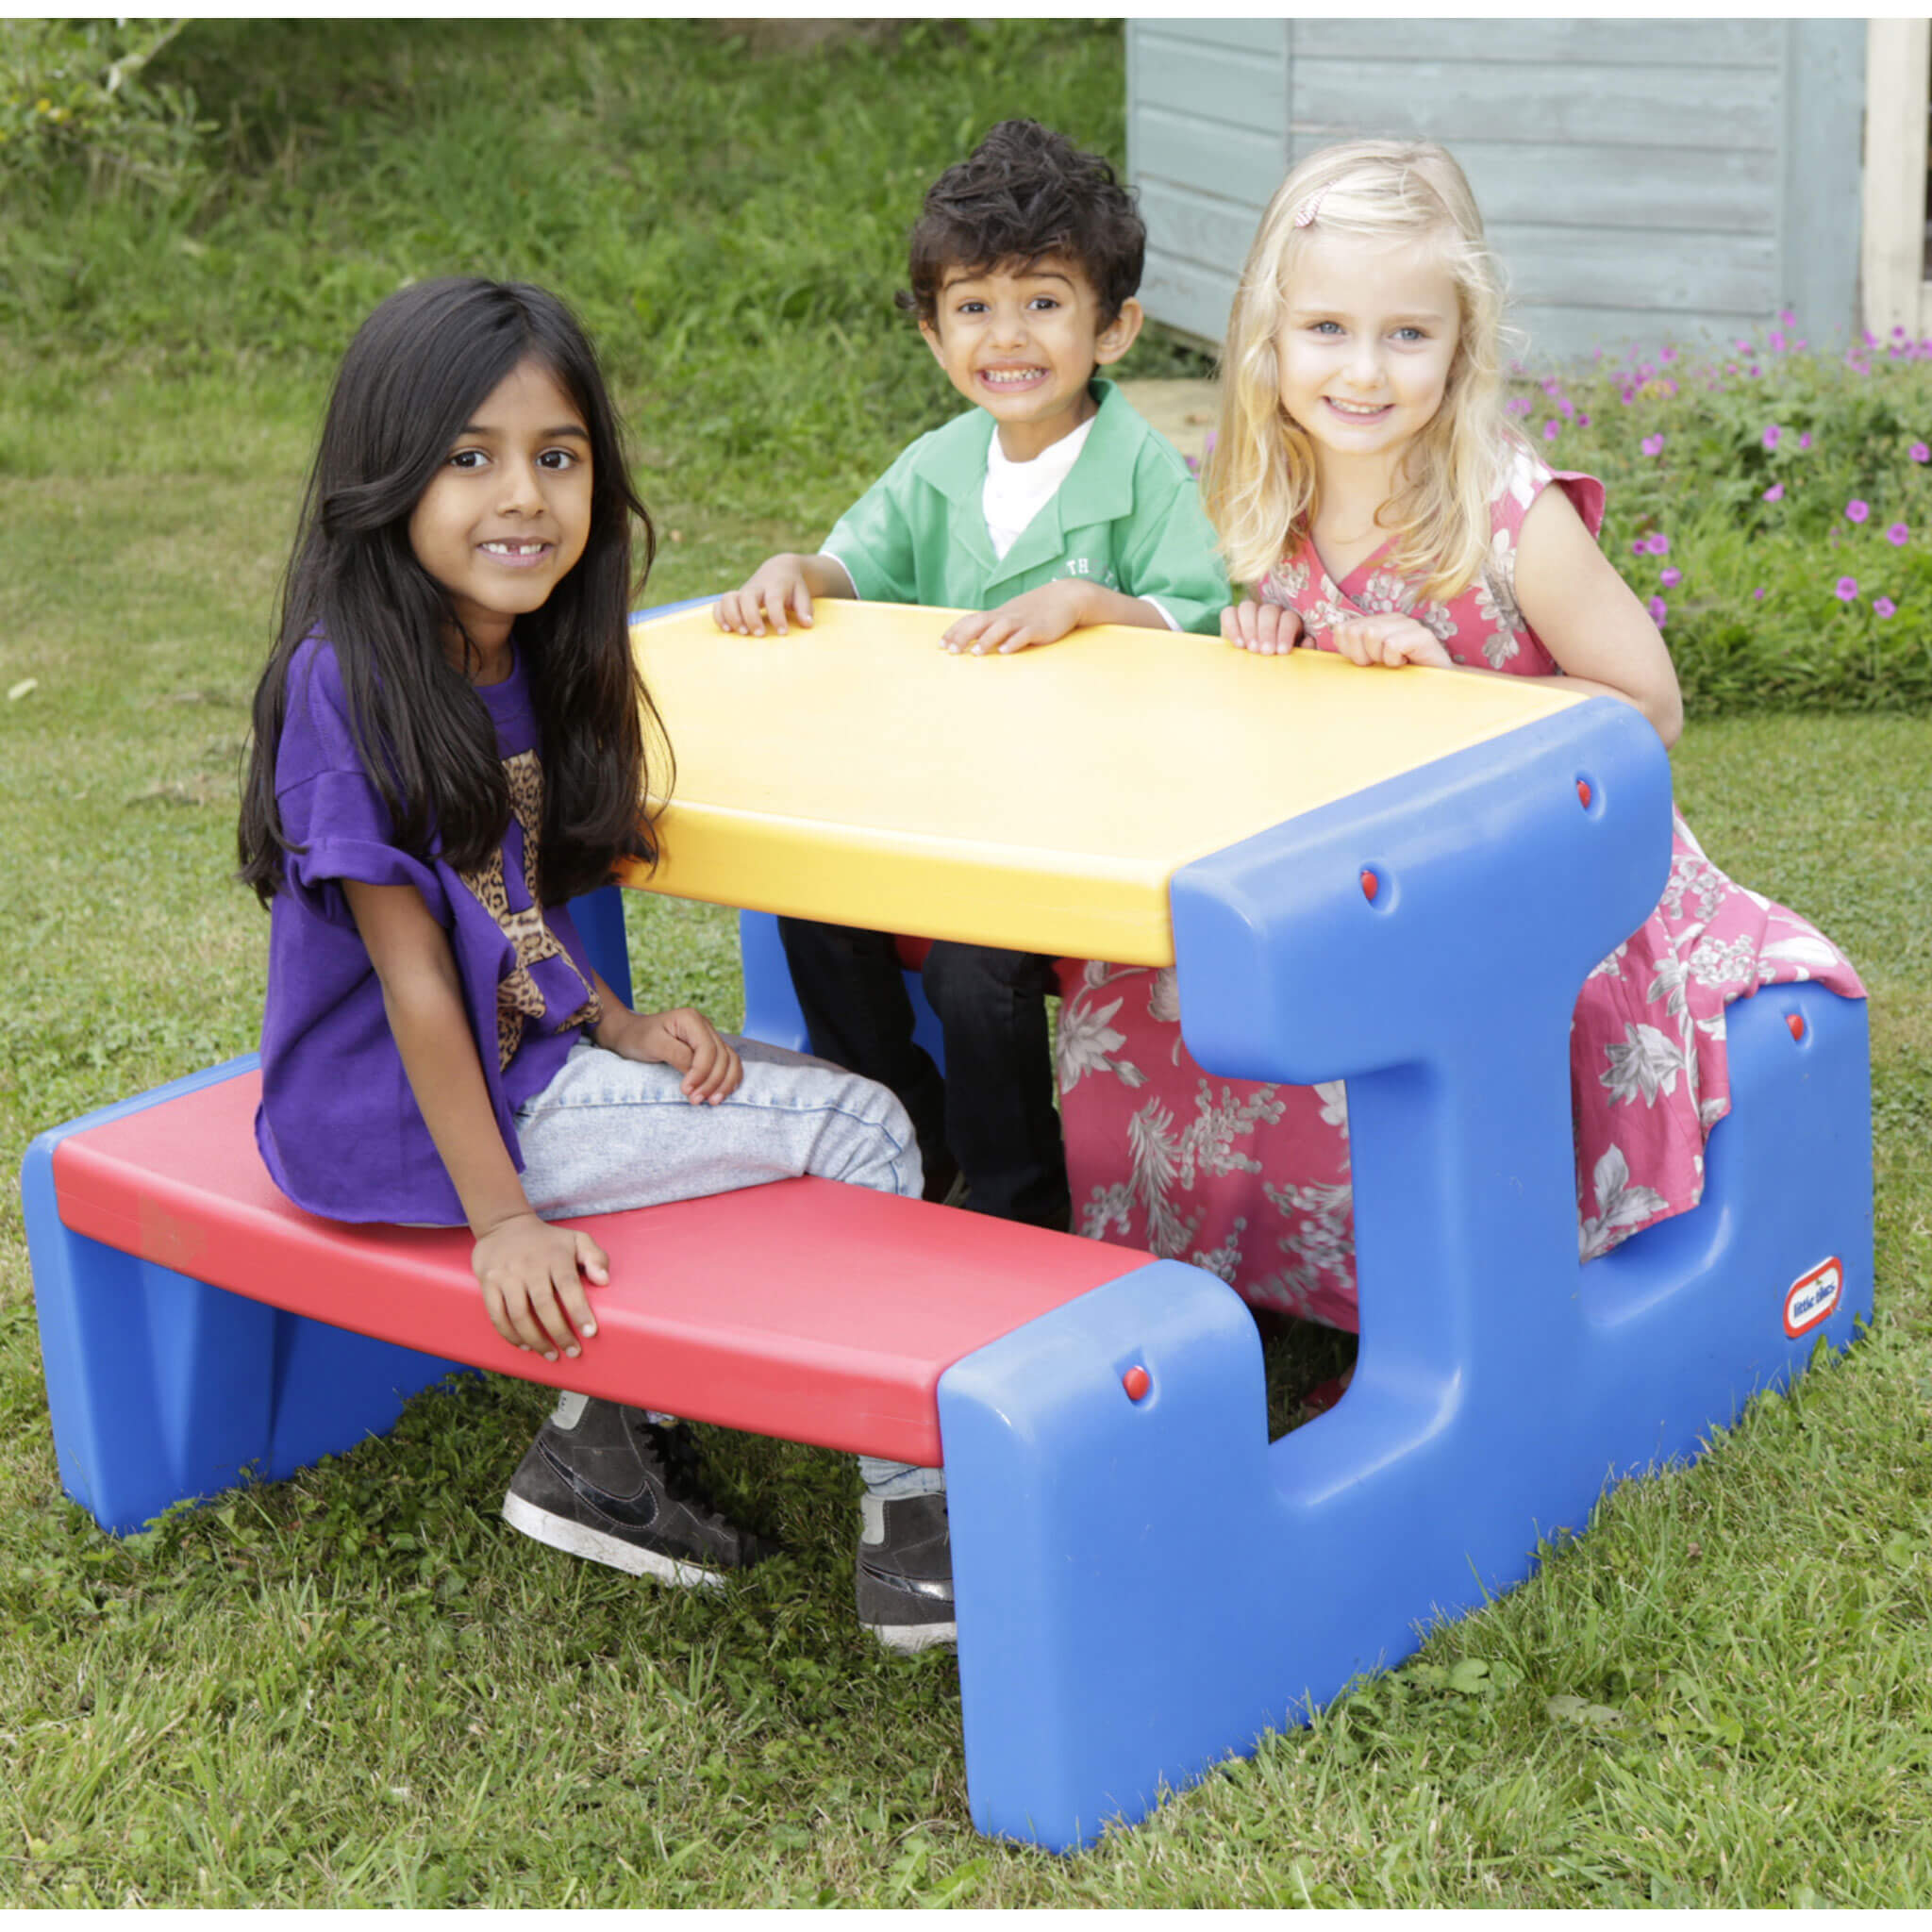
pixel 1023 341
pixel 507 514
pixel 1365 347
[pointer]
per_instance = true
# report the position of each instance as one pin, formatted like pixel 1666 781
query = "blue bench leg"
pixel 163 1390
pixel 1145 1586
pixel 599 918
pixel 771 1006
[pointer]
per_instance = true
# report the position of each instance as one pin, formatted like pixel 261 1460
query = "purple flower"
pixel 1773 436
pixel 1898 534
pixel 1583 421
pixel 1883 607
pixel 1658 610
pixel 1551 430
pixel 1785 316
pixel 1657 543
pixel 1775 493
pixel 1636 549
pixel 1519 405
pixel 1757 595
pixel 1670 576
pixel 1920 453
pixel 1857 510
pixel 1670 355
pixel 1776 343
pixel 1847 588
pixel 1805 440
pixel 1654 445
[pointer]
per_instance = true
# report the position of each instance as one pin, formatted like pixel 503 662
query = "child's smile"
pixel 507 517
pixel 1022 342
pixel 1366 346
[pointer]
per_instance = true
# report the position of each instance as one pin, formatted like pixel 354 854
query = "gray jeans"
pixel 610 1133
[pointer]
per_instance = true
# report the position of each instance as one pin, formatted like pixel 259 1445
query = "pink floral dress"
pixel 1251 1180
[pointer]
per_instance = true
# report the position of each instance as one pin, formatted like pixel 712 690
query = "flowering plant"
pixel 1778 493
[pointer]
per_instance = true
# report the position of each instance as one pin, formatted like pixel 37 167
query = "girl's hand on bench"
pixel 529 1273
pixel 683 1039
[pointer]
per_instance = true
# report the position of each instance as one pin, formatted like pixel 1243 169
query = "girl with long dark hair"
pixel 450 742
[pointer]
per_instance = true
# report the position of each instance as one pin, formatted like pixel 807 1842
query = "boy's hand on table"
pixel 778 587
pixel 531 1277
pixel 1035 617
pixel 1267 630
pixel 1390 638
pixel 683 1039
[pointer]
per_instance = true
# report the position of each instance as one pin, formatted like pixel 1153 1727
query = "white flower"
pixel 1334 1103
pixel 1106 1211
pixel 1321 1237
pixel 1622 1206
pixel 1435 618
pixel 1086 1044
pixel 1808 952
pixel 1224 1260
pixel 1611 965
pixel 1668 985
pixel 1285 583
pixel 1164 996
pixel 1386 590
pixel 1645 1063
pixel 1520 477
pixel 1722 962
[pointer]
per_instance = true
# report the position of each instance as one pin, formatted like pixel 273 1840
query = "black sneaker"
pixel 905 1573
pixel 605 1482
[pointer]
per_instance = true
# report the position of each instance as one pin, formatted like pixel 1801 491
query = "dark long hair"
pixel 414 374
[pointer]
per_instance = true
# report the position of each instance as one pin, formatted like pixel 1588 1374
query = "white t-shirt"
pixel 1015 493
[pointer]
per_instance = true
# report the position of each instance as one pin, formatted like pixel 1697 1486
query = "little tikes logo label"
pixel 1812 1297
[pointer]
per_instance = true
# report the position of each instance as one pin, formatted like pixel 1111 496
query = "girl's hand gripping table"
pixel 1399 878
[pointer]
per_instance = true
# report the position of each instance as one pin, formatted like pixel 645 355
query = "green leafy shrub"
pixel 1773 505
pixel 76 92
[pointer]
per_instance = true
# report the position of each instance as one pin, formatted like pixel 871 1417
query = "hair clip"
pixel 1310 208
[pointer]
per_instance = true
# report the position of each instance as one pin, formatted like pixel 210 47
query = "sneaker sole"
pixel 908 1639
pixel 579 1539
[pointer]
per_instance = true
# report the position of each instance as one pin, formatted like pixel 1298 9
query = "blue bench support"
pixel 201 1385
pixel 771 1006
pixel 1161 1586
pixel 1185 1585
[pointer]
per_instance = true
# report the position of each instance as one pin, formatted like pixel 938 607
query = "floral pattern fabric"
pixel 1251 1180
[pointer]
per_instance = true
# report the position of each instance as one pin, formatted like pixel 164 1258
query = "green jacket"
pixel 1128 516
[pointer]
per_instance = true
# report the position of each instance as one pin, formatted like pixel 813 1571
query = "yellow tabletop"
pixel 857 771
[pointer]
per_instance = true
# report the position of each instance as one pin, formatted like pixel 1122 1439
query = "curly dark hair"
pixel 1023 192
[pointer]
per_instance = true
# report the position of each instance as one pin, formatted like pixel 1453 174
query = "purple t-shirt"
pixel 339 1126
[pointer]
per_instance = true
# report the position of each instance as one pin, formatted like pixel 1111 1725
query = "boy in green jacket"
pixel 1051 506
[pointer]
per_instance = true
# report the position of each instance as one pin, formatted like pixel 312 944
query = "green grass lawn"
pixel 358 1687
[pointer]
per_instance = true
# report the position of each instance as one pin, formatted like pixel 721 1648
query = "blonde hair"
pixel 1260 488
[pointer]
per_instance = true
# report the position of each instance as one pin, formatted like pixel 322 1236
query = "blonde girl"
pixel 1365 486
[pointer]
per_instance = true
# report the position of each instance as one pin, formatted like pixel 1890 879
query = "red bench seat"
pixel 807 1309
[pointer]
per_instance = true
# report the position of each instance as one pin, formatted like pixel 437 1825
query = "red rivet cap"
pixel 1796 1023
pixel 1583 793
pixel 1136 1382
pixel 1370 886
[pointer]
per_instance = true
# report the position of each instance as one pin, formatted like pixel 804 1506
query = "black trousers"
pixel 991 1116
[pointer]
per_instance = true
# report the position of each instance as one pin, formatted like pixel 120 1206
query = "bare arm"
pixel 1600 635
pixel 528 1271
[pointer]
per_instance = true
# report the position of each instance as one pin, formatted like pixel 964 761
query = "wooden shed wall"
pixel 1643 181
